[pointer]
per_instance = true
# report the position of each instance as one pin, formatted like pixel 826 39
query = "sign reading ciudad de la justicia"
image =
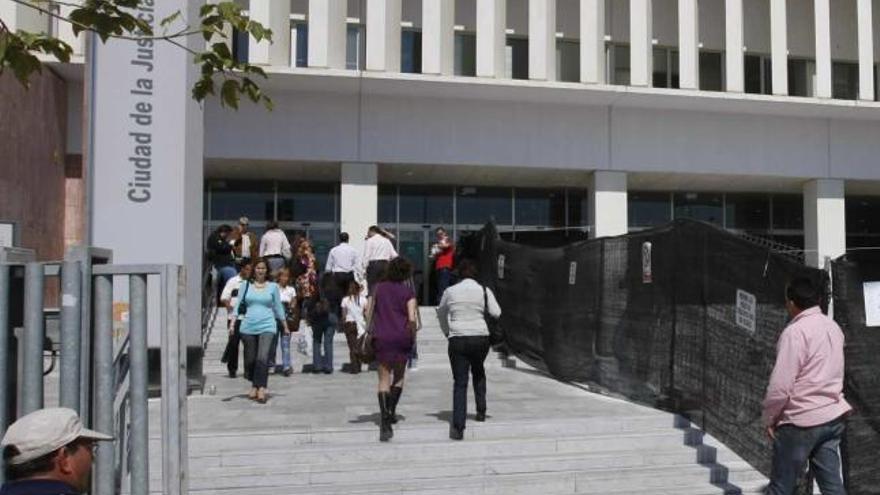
pixel 141 116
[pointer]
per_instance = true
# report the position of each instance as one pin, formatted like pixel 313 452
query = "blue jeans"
pixel 322 337
pixel 794 446
pixel 286 360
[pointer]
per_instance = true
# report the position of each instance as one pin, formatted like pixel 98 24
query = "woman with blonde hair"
pixel 392 310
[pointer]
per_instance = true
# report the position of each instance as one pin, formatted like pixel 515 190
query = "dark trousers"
pixel 256 357
pixel 794 446
pixel 351 332
pixel 230 354
pixel 341 280
pixel 375 273
pixel 444 278
pixel 467 354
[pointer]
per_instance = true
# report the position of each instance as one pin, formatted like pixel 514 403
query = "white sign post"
pixel 146 148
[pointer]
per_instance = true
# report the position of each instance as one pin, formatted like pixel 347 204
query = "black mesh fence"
pixel 684 317
pixel 862 446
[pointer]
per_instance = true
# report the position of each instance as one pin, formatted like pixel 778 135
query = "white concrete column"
pixel 358 201
pixel 823 48
pixel 866 50
pixel 542 40
pixel 779 46
pixel 688 44
pixel 641 52
pixel 276 16
pixel 491 37
pixel 593 41
pixel 438 37
pixel 21 17
pixel 65 29
pixel 327 33
pixel 733 28
pixel 383 35
pixel 824 220
pixel 608 208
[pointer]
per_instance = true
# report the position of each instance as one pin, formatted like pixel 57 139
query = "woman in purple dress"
pixel 391 310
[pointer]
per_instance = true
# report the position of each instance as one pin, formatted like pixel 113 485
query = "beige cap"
pixel 45 431
pixel 243 220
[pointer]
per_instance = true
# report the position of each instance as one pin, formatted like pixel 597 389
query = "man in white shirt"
pixel 378 251
pixel 275 247
pixel 229 298
pixel 342 262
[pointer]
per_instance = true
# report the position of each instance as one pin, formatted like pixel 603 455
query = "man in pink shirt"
pixel 804 407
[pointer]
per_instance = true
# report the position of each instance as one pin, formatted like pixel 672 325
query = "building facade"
pixel 598 116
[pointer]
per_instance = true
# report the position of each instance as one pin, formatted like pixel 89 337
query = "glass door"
pixel 414 245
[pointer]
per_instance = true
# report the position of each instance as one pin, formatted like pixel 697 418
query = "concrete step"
pixel 656 481
pixel 234 438
pixel 600 472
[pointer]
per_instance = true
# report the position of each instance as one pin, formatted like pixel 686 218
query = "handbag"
pixel 496 334
pixel 242 303
pixel 364 348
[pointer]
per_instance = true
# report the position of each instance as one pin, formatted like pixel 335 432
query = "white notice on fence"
pixel 572 272
pixel 746 305
pixel 872 303
pixel 501 267
pixel 7 234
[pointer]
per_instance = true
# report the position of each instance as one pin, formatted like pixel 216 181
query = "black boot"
pixel 385 431
pixel 394 398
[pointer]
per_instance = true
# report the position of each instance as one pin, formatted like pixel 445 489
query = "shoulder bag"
pixel 364 348
pixel 496 334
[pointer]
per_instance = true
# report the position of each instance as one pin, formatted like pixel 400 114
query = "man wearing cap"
pixel 244 243
pixel 48 452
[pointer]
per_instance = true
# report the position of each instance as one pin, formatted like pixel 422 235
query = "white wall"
pixel 416 130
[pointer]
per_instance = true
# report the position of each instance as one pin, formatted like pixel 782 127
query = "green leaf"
pixel 229 94
pixel 170 19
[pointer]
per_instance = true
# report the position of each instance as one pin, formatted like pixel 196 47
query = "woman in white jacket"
pixel 462 313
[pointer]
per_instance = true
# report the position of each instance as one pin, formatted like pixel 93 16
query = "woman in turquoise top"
pixel 262 311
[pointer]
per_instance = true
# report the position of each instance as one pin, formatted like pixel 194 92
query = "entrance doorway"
pixel 414 243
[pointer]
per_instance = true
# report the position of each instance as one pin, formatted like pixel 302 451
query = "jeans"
pixel 256 355
pixel 275 263
pixel 322 333
pixel 467 354
pixel 444 277
pixel 273 350
pixel 794 446
pixel 286 359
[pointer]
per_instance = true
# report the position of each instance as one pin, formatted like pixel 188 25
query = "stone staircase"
pixel 318 435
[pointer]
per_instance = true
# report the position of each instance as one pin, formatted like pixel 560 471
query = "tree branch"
pixel 84 27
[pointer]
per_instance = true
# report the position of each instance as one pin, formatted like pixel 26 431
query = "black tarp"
pixel 666 332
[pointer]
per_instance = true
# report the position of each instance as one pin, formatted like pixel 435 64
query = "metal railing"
pixel 104 365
